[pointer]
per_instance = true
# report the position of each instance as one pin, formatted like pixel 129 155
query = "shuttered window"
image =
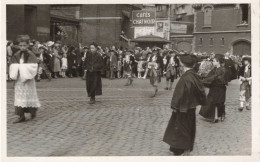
pixel 207 16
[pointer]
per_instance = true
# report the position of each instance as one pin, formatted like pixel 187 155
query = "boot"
pixel 92 100
pixel 240 109
pixel 167 84
pixel 131 81
pixel 171 86
pixel 33 113
pixel 127 82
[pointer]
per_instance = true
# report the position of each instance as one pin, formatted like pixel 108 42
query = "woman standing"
pixel 56 63
pixel 23 69
pixel 155 71
pixel 245 83
pixel 216 81
pixel 128 69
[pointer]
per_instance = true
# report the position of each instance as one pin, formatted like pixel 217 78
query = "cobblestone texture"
pixel 125 121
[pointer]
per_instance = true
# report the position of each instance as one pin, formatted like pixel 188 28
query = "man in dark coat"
pixel 189 93
pixel 230 66
pixel 94 65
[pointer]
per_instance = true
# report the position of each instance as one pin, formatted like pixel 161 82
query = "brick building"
pixel 222 27
pixel 104 24
pixel 33 20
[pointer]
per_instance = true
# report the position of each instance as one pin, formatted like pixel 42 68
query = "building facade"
pixel 223 27
pixel 33 20
pixel 107 24
pixel 182 25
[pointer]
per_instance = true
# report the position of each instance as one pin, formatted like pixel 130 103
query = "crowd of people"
pixel 57 60
pixel 27 59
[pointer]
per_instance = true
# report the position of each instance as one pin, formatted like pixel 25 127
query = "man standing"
pixel 230 66
pixel 188 94
pixel 94 65
pixel 113 64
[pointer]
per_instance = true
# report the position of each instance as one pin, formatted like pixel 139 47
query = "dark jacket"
pixel 189 92
pixel 93 62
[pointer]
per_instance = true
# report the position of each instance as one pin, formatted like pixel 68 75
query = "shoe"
pixel 92 101
pixel 248 108
pixel 240 109
pixel 21 119
pixel 214 121
pixel 166 88
pixel 33 115
pixel 131 82
pixel 223 117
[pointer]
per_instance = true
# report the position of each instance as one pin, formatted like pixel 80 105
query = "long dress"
pixel 94 64
pixel 57 63
pixel 181 129
pixel 23 69
pixel 216 80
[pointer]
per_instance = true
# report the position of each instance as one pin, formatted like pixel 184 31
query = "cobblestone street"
pixel 125 121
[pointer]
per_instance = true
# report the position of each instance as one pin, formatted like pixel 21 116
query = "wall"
pixel 40 26
pixel 15 21
pixel 217 43
pixel 225 23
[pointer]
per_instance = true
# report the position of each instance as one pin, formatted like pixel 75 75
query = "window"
pixel 244 12
pixel 200 42
pixel 158 8
pixel 222 41
pixel 207 15
pixel 211 41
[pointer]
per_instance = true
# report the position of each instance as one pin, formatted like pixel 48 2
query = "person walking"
pixel 188 94
pixel 94 65
pixel 23 69
pixel 170 70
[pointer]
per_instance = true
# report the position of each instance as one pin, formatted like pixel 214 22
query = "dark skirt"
pixel 181 129
pixel 20 110
pixel 93 83
pixel 215 98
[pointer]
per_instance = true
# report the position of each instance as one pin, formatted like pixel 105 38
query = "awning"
pixel 64 20
pixel 126 14
pixel 150 38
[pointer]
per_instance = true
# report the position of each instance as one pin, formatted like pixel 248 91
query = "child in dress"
pixel 64 65
pixel 140 68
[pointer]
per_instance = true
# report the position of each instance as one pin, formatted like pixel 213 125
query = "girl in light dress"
pixel 64 65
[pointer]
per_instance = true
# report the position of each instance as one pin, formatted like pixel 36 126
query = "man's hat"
pixel 246 58
pixel 188 60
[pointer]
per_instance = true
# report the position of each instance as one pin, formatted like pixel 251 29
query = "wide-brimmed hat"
pixel 50 43
pixel 188 60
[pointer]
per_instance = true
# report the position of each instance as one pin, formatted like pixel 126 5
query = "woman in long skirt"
pixel 216 80
pixel 128 72
pixel 23 69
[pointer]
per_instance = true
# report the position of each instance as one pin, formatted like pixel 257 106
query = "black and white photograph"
pixel 130 80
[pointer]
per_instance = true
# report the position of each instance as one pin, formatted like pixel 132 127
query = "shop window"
pixel 200 41
pixel 211 41
pixel 244 13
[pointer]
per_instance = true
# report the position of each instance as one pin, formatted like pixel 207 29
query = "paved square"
pixel 125 121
